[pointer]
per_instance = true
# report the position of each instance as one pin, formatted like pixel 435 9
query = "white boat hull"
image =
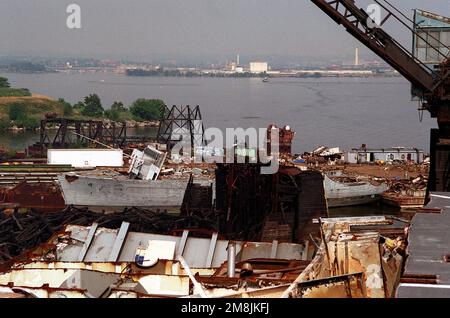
pixel 351 193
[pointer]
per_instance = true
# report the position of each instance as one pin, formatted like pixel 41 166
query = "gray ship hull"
pixel 109 193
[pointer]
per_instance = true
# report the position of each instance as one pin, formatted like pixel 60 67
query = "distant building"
pixel 367 155
pixel 232 66
pixel 258 67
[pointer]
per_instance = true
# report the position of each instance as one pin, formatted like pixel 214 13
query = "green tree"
pixel 67 108
pixel 79 105
pixel 118 106
pixel 92 106
pixel 4 123
pixel 147 109
pixel 16 111
pixel 112 114
pixel 4 82
pixel 27 122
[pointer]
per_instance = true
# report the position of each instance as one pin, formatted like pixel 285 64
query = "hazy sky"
pixel 146 29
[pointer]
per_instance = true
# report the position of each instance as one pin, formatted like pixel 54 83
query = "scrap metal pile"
pixel 407 194
pixel 352 263
pixel 22 231
pixel 95 262
pixel 410 187
pixel 245 233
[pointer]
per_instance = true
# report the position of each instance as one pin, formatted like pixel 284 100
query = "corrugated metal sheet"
pixel 195 251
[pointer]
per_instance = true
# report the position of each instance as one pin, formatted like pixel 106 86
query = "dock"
pixel 427 268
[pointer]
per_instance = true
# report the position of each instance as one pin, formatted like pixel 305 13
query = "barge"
pixel 405 199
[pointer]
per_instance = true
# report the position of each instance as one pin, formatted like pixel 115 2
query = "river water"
pixel 344 112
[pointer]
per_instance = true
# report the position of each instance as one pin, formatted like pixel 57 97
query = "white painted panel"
pixel 86 157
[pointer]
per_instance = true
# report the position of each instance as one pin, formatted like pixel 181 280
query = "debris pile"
pixel 407 193
pixel 99 262
pixel 237 231
pixel 352 263
pixel 173 170
pixel 413 187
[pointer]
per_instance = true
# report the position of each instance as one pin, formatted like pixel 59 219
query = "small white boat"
pixel 351 193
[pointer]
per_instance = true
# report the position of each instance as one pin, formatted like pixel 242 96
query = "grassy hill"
pixel 30 110
pixel 33 105
pixel 21 109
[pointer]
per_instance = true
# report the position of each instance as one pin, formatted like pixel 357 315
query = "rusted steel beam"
pixel 419 278
pixel 382 231
pixel 429 210
pixel 329 280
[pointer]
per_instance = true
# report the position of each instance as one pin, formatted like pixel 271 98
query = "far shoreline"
pixel 129 124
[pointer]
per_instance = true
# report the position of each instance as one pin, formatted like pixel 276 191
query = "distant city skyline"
pixel 191 30
pixel 279 61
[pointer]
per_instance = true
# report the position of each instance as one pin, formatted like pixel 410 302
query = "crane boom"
pixel 431 85
pixel 358 23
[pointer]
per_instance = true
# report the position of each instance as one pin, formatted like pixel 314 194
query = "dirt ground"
pixel 387 171
pixel 403 171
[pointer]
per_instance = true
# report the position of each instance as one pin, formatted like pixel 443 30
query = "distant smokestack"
pixel 237 59
pixel 356 57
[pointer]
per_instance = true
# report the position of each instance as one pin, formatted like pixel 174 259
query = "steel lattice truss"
pixel 181 123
